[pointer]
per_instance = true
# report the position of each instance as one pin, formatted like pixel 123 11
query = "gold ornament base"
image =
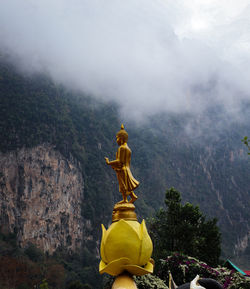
pixel 125 211
pixel 124 281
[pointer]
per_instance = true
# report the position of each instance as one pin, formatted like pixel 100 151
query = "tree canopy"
pixel 184 229
pixel 246 142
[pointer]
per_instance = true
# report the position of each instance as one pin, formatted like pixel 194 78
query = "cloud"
pixel 148 55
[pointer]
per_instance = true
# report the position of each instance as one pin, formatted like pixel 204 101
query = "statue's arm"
pixel 114 163
pixel 117 163
pixel 122 155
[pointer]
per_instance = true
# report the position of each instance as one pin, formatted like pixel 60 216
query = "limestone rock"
pixel 40 198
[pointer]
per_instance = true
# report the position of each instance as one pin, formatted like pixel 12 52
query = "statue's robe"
pixel 127 183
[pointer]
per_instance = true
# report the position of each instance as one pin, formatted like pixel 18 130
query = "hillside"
pixel 211 170
pixel 209 166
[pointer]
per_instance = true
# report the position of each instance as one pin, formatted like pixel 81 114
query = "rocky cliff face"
pixel 40 198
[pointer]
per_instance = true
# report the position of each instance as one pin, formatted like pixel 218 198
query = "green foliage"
pixel 184 228
pixel 75 285
pixel 246 142
pixel 8 244
pixel 33 111
pixel 23 286
pixel 26 268
pixel 185 268
pixel 34 253
pixel 81 266
pixel 108 281
pixel 87 286
pixel 44 285
pixel 78 285
pixel 149 282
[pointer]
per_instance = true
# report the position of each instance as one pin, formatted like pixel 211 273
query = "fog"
pixel 150 56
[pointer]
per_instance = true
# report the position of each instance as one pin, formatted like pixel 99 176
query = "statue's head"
pixel 122 134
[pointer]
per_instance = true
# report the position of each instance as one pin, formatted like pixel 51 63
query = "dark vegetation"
pixel 31 268
pixel 184 229
pixel 246 142
pixel 185 268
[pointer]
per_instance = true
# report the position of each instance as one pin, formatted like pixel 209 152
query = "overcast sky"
pixel 149 55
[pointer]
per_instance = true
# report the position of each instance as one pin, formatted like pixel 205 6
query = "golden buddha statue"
pixel 121 165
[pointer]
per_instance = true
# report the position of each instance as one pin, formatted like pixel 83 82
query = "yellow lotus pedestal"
pixel 126 245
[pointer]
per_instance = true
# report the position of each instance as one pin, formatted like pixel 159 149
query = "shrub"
pixel 149 282
pixel 185 268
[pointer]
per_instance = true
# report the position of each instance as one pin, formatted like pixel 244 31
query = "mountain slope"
pixel 210 169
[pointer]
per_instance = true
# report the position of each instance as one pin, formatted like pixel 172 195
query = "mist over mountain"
pixel 148 56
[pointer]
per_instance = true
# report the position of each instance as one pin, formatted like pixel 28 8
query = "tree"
pixel 76 285
pixel 246 141
pixel 18 272
pixel 184 229
pixel 55 275
pixel 34 253
pixel 44 284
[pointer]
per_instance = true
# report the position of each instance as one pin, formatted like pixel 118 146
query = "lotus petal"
pixel 122 241
pixel 102 244
pixel 115 267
